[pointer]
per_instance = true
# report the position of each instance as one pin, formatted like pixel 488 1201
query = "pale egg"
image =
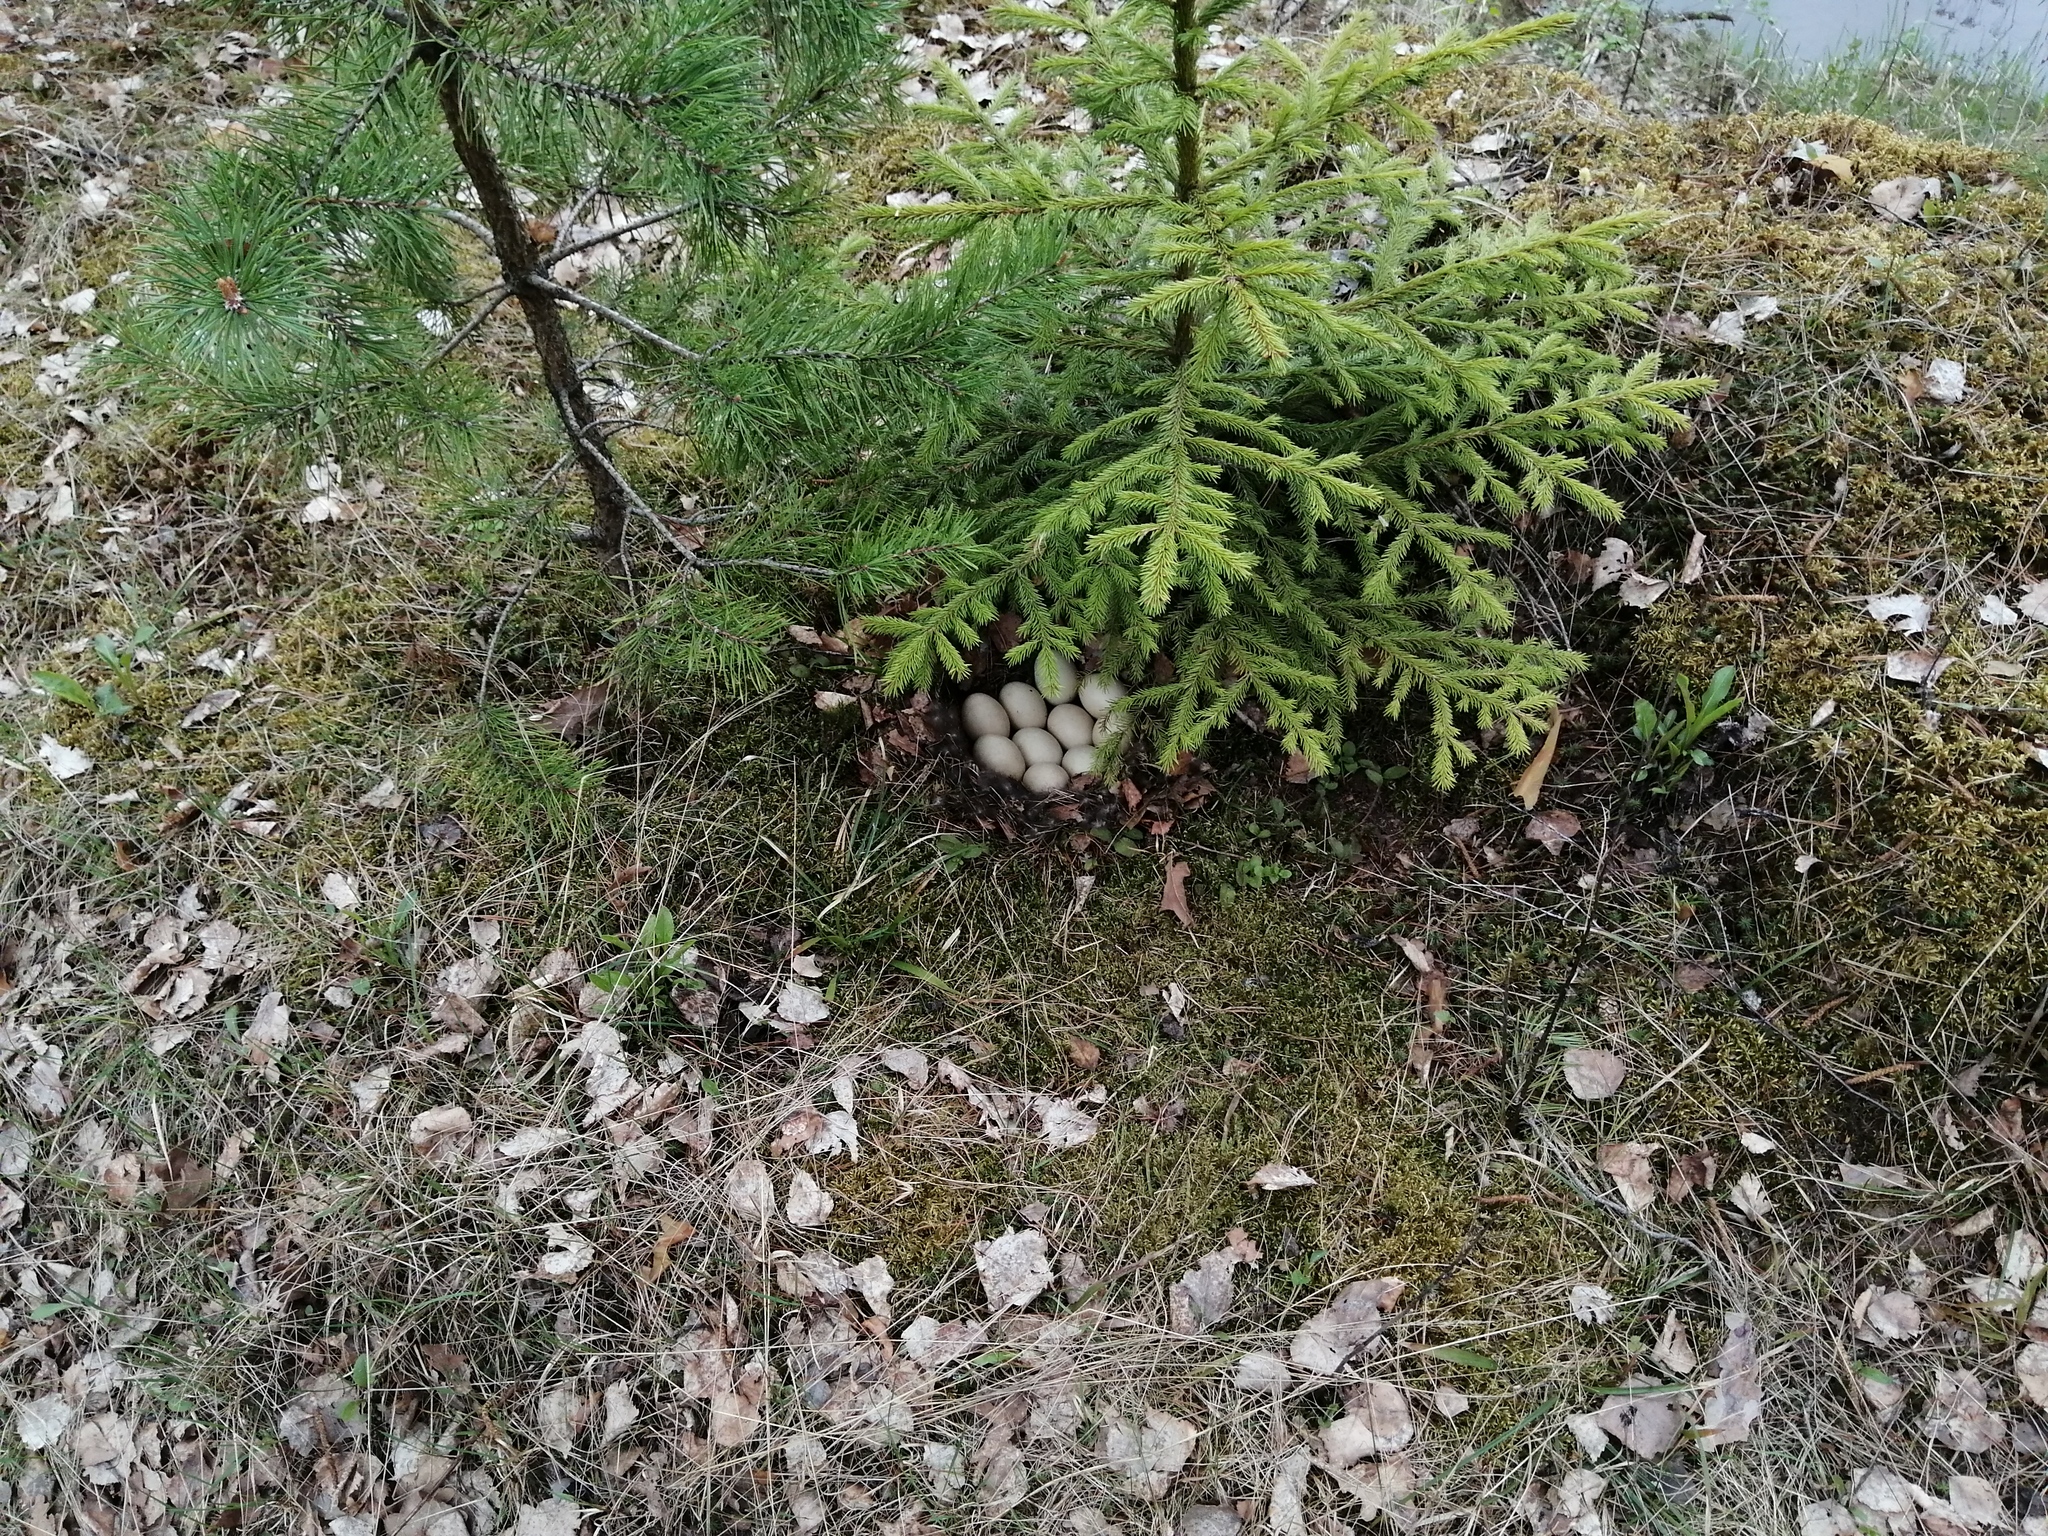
pixel 999 755
pixel 1066 682
pixel 1072 724
pixel 1045 778
pixel 1099 693
pixel 1024 704
pixel 1038 746
pixel 1078 760
pixel 984 716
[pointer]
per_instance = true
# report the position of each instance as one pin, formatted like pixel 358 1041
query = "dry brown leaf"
pixel 1673 1349
pixel 1690 1171
pixel 1201 1298
pixel 1553 829
pixel 1149 1454
pixel 808 1205
pixel 1592 1073
pixel 672 1234
pixel 1735 1400
pixel 1628 1164
pixel 2032 1369
pixel 1014 1269
pixel 1647 1418
pixel 1879 1316
pixel 1174 896
pixel 1959 1413
pixel 1529 787
pixel 1694 977
pixel 1274 1177
pixel 575 714
pixel 1326 1341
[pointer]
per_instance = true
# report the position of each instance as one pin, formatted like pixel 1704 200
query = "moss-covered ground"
pixel 1821 949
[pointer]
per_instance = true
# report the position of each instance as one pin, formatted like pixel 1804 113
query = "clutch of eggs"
pixel 1043 737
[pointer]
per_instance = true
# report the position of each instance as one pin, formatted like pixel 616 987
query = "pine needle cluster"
pixel 1296 389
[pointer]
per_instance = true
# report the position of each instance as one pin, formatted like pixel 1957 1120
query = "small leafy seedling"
pixel 1670 739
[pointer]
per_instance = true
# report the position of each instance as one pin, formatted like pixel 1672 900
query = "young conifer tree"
pixel 318 279
pixel 1300 386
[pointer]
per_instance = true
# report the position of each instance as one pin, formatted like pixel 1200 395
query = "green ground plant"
pixel 1669 739
pixel 1299 383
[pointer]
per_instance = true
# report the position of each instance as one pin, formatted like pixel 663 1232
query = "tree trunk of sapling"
pixel 518 257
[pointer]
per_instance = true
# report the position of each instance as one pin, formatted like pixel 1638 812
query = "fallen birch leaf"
pixel 1735 1401
pixel 1149 1455
pixel 215 702
pixel 1695 566
pixel 1014 1269
pixel 1261 1372
pixel 339 891
pixel 1923 668
pixel 569 1254
pixel 1286 1502
pixel 1749 1197
pixel 1673 1349
pixel 1592 1073
pixel 368 1090
pixel 1592 1305
pixel 269 1031
pixel 908 1063
pixel 1063 1122
pixel 1553 829
pixel 809 1204
pixel 2033 603
pixel 1274 1177
pixel 1881 1500
pixel 1628 1164
pixel 1640 591
pixel 799 1004
pixel 749 1191
pixel 1376 1423
pixel 1825 1517
pixel 1992 610
pixel 62 761
pixel 1874 1176
pixel 1902 197
pixel 436 1134
pixel 1326 1341
pixel 1615 560
pixel 1879 1316
pixel 1529 787
pixel 1644 1420
pixel 1947 382
pixel 2032 1367
pixel 1907 614
pixel 1959 1413
pixel 1201 1298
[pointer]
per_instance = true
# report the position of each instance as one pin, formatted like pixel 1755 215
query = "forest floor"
pixel 441 1106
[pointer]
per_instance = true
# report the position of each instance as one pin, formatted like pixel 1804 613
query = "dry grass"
pixel 307 1322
